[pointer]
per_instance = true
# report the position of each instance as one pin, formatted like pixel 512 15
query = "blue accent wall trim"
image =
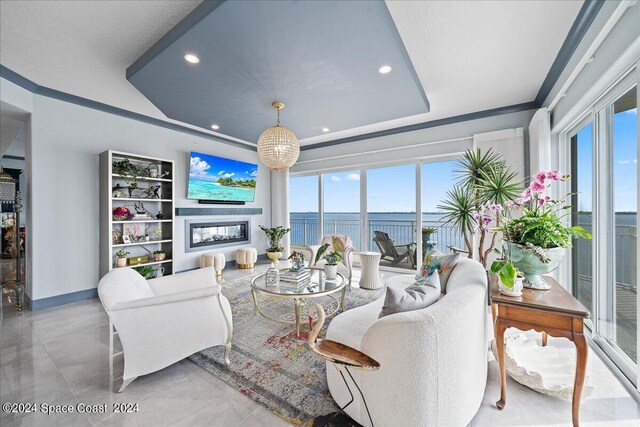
pixel 583 21
pixel 13 157
pixel 42 303
pixel 36 89
pixel 425 125
pixel 200 12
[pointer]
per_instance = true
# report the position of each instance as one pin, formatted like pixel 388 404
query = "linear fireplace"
pixel 207 235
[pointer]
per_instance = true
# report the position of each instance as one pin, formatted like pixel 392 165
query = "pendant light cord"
pixel 278 121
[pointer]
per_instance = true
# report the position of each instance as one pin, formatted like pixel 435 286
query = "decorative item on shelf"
pixel 159 215
pixel 536 240
pixel 126 239
pixel 121 258
pixel 120 213
pixel 151 192
pixel 159 255
pixel 153 170
pixel 297 261
pixel 272 277
pixel 133 232
pixel 117 191
pixel 332 258
pixel 142 214
pixel 159 272
pixel 145 271
pixel 138 260
pixel 278 147
pixel 116 237
pixel 275 234
pixel 125 168
pixel 157 234
pixel 131 188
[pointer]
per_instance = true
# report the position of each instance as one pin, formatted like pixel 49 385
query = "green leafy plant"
pixel 275 234
pixel 158 252
pixel 506 270
pixel 540 225
pixel 333 257
pixel 122 254
pixel 145 271
pixel 429 230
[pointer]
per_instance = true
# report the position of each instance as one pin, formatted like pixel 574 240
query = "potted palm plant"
pixel 275 235
pixel 121 258
pixel 332 259
pixel 485 184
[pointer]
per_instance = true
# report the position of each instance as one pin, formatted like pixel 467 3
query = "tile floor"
pixel 59 356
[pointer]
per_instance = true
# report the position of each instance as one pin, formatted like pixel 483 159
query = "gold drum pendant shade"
pixel 278 147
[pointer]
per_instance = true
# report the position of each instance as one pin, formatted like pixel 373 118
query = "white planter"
pixel 330 271
pixel 516 291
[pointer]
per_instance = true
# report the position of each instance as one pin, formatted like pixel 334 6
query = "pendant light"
pixel 278 147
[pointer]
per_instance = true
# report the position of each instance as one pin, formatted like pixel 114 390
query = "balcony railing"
pixel 304 231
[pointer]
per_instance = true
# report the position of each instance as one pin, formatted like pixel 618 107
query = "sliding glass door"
pixel 342 204
pixel 604 169
pixel 391 215
pixel 623 295
pixel 304 210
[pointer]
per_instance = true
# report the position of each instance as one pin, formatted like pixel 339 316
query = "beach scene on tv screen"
pixel 216 178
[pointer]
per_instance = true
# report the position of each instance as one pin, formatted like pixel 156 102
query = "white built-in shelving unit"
pixel 160 231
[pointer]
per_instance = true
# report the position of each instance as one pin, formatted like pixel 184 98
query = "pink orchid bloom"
pixel 540 177
pixel 526 195
pixel 537 187
pixel 541 202
pixel 553 175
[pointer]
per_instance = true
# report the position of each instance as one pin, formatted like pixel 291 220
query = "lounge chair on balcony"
pixel 392 252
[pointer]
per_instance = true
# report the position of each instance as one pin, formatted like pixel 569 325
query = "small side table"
pixel 555 312
pixel 370 275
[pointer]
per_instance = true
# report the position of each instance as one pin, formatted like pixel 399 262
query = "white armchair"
pixel 345 266
pixel 161 321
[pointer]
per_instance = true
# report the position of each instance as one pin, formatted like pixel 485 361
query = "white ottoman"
pixel 215 260
pixel 246 257
pixel 370 275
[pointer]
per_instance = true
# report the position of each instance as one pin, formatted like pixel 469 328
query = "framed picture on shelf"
pixel 126 239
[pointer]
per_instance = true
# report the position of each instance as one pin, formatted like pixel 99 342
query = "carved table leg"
pixel 344 292
pixel 500 327
pixel 297 302
pixel 544 339
pixel 581 367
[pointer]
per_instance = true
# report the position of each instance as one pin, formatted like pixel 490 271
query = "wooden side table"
pixel 555 312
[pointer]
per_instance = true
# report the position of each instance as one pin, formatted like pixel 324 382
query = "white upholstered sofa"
pixel 161 321
pixel 433 361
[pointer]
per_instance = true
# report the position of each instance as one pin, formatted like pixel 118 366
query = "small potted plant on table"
pixel 332 259
pixel 275 234
pixel 159 255
pixel 121 258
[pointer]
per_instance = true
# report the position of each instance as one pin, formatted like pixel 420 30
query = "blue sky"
pixel 625 163
pixel 204 167
pixel 392 189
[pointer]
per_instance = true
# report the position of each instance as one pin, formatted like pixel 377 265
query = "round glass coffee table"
pixel 317 286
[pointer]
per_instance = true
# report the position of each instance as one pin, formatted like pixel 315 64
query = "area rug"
pixel 268 363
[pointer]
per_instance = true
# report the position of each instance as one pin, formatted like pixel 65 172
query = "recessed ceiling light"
pixel 325 129
pixel 189 57
pixel 215 127
pixel 385 69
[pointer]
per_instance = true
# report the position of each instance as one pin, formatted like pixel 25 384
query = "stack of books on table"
pixel 295 277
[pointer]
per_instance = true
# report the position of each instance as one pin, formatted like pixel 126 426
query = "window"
pixel 304 210
pixel 391 215
pixel 604 169
pixel 342 205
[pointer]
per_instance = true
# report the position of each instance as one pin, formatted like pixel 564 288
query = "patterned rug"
pixel 268 363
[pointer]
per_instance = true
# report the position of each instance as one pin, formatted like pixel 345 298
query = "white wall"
pixel 65 143
pixel 436 141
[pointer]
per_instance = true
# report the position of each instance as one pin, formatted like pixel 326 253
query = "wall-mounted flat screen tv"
pixel 216 178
